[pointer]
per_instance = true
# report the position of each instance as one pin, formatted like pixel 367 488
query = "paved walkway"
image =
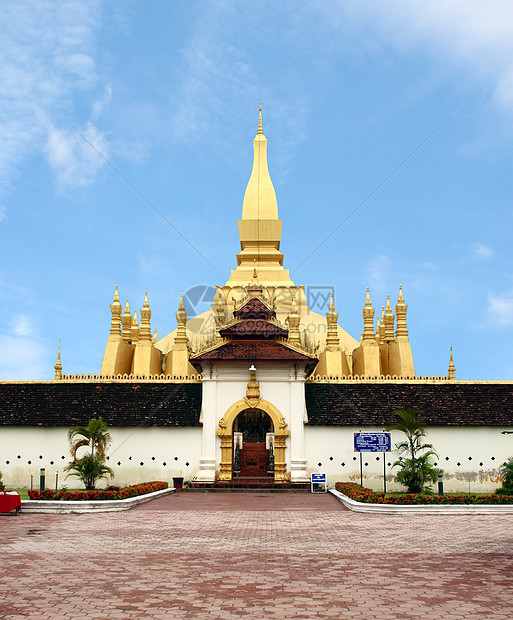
pixel 254 556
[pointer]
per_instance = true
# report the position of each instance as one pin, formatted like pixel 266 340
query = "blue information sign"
pixel 318 477
pixel 318 483
pixel 372 442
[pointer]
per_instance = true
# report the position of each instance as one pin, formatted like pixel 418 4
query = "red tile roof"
pixel 262 350
pixel 254 328
pixel 255 309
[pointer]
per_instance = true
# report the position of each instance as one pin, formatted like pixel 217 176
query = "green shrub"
pixel 503 491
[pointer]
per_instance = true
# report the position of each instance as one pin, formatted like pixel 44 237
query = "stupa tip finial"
pixel 146 303
pixel 127 307
pixel 368 299
pixel 400 299
pixel 181 304
pixel 389 307
pixel 332 303
pixel 116 295
pixel 260 131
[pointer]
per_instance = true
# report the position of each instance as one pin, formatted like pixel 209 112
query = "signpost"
pixel 373 442
pixel 318 483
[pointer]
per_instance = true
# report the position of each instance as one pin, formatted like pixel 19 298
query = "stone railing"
pixel 162 378
pixel 377 379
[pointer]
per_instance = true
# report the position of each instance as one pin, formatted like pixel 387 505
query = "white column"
pixel 298 471
pixel 207 470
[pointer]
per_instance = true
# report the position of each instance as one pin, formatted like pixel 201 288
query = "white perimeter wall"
pixel 176 447
pixel 468 455
pixel 179 448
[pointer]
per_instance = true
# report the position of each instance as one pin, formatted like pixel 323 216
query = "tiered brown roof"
pixel 447 404
pixel 119 403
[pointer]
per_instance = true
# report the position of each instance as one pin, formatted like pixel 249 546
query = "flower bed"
pixel 98 494
pixel 361 494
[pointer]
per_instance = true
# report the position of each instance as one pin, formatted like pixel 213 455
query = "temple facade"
pixel 258 388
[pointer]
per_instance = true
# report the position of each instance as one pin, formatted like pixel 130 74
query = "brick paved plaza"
pixel 198 555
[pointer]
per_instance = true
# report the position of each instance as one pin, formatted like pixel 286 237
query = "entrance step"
pixel 250 485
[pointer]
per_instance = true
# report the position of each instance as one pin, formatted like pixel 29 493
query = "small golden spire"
pixel 400 299
pixel 180 305
pixel 135 322
pixel 155 336
pixel 368 303
pixel 116 295
pixel 260 131
pixel 58 366
pixel 389 307
pixel 127 308
pixel 145 303
pixel 332 304
pixel 452 368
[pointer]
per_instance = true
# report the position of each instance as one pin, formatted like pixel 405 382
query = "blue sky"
pixel 168 92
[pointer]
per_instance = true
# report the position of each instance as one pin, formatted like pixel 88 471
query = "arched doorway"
pixel 225 432
pixel 253 444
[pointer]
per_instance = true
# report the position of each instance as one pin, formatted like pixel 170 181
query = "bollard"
pixel 440 484
pixel 42 479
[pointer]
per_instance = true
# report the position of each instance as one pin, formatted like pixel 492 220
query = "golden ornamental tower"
pixel 260 228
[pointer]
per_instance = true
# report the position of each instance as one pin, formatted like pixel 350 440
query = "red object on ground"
pixel 10 502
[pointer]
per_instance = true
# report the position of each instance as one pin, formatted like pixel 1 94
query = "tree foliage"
pixel 91 467
pixel 506 473
pixel 415 462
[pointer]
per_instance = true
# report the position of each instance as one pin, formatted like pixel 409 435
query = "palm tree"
pixel 91 467
pixel 506 473
pixel 95 435
pixel 415 457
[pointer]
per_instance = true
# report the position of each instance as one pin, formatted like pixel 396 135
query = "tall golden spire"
pixel 368 319
pixel 259 227
pixel 145 329
pixel 260 198
pixel 126 321
pixel 332 337
pixel 115 308
pixel 388 320
pixel 401 330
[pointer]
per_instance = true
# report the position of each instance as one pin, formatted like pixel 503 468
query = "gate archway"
pixel 225 432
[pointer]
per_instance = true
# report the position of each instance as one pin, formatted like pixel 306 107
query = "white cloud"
pixel 74 161
pixel 98 106
pixel 47 51
pixel 220 79
pixel 378 272
pixel 22 326
pixel 500 309
pixel 482 251
pixel 470 35
pixel 22 358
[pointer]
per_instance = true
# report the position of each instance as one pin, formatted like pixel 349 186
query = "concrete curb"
pixel 73 507
pixel 439 509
